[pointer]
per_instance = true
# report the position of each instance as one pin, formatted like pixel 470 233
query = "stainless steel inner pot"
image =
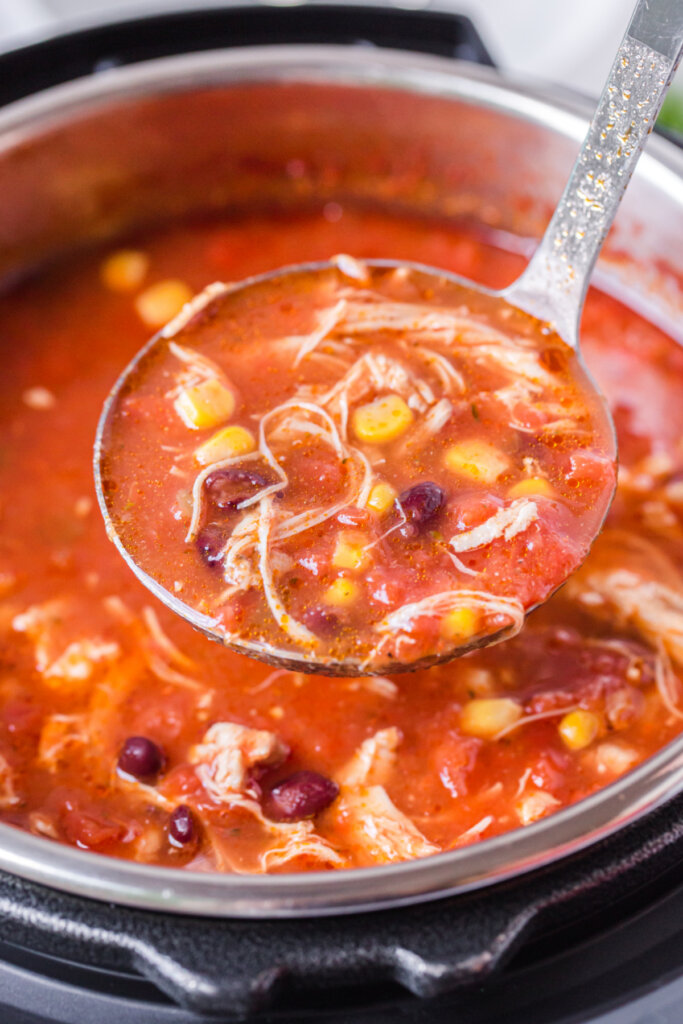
pixel 226 129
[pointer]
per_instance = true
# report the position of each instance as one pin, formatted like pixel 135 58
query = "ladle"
pixel 552 289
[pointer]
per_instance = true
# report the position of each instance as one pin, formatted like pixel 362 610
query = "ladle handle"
pixel 554 285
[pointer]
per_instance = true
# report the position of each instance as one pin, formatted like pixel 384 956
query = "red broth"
pixel 359 465
pixel 392 768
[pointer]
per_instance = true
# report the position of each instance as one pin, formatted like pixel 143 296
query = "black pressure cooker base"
pixel 564 929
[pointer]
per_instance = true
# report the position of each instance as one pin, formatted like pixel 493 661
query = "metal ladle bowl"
pixel 552 288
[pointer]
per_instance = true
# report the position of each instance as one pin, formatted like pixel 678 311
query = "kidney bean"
pixel 226 488
pixel 421 505
pixel 323 623
pixel 302 795
pixel 553 359
pixel 141 758
pixel 181 827
pixel 211 541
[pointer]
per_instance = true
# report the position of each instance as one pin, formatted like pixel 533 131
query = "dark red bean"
pixel 141 758
pixel 301 796
pixel 211 540
pixel 181 827
pixel 553 359
pixel 226 488
pixel 323 623
pixel 421 505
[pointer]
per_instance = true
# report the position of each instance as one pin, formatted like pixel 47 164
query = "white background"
pixel 566 41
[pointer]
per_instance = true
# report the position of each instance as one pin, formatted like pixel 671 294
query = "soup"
pixel 367 467
pixel 124 732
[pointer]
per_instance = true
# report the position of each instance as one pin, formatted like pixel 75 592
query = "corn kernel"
pixel 382 498
pixel 459 624
pixel 382 421
pixel 342 592
pixel 225 444
pixel 532 485
pixel 205 405
pixel 478 460
pixel 124 271
pixel 349 552
pixel 485 718
pixel 161 302
pixel 579 728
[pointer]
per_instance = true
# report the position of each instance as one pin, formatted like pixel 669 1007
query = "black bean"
pixel 322 622
pixel 226 488
pixel 421 505
pixel 211 540
pixel 181 826
pixel 141 758
pixel 302 795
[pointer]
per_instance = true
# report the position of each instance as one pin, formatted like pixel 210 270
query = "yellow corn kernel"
pixel 342 593
pixel 225 444
pixel 382 421
pixel 476 459
pixel 459 624
pixel 578 728
pixel 349 552
pixel 125 270
pixel 382 498
pixel 485 718
pixel 205 405
pixel 161 302
pixel 532 485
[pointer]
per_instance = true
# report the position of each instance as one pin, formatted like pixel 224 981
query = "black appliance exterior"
pixel 598 933
pixel 554 947
pixel 61 58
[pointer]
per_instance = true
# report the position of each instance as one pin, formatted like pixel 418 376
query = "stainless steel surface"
pixel 555 283
pixel 64 174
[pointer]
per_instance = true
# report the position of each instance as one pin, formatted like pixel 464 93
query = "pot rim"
pixel 361 889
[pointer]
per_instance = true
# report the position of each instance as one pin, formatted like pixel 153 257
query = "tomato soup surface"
pixel 125 732
pixel 359 465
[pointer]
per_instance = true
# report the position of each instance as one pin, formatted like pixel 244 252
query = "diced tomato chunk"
pixel 89 830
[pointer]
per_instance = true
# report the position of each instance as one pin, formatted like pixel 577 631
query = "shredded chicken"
pixel 535 805
pixel 299 840
pixel 375 372
pixel 647 596
pixel 405 617
pixel 373 761
pixel 327 321
pixel 289 841
pixel 369 313
pixel 8 792
pixel 228 753
pixel 379 685
pixel 79 660
pixel 450 379
pixel 506 523
pixel 74 662
pixel 612 757
pixel 377 829
pixel 59 734
pixel 287 623
pixel 429 426
pixel 475 831
pixel 162 642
